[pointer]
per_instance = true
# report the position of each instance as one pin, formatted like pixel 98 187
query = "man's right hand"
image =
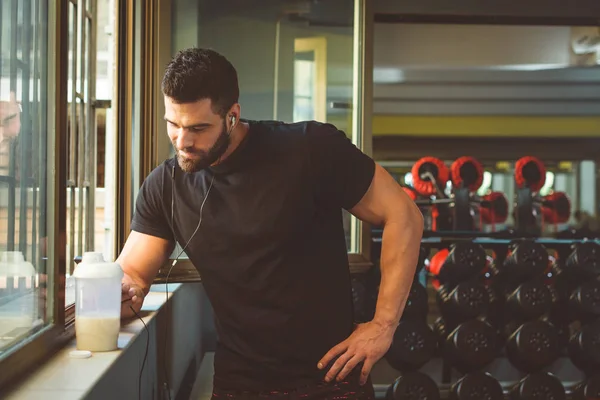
pixel 141 259
pixel 132 296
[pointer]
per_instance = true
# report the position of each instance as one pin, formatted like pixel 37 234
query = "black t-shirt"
pixel 271 248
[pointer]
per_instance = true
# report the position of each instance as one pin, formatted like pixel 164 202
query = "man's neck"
pixel 236 137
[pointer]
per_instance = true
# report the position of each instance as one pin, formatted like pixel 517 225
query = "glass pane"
pixel 23 168
pixel 300 64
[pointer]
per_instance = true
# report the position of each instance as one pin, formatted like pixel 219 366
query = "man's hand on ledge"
pixel 132 296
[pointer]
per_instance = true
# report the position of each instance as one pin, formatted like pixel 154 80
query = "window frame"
pixel 43 344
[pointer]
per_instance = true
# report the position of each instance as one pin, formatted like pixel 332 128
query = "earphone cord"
pixel 145 353
pixel 175 262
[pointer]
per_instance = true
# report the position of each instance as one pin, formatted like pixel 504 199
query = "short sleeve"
pixel 149 215
pixel 342 172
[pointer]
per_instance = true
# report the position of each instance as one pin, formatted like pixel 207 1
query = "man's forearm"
pixel 399 256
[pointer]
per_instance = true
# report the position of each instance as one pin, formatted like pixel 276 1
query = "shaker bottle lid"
pixel 98 270
pixel 80 354
pixel 13 263
pixel 92 257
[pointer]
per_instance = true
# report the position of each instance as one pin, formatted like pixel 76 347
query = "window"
pixel 90 178
pixel 31 322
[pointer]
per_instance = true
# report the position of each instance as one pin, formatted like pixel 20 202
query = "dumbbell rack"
pixel 383 375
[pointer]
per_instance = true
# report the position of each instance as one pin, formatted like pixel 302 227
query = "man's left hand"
pixel 368 343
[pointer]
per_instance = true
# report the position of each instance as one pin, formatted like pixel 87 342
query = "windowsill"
pixel 63 377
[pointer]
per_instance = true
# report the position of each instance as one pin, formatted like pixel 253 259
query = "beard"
pixel 205 158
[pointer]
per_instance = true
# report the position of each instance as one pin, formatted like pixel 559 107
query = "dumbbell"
pixel 533 346
pixel 539 385
pixel 466 172
pixel 470 346
pixel 525 259
pixel 494 208
pixel 556 208
pixel 414 386
pixel 464 260
pixel 413 345
pixel 530 172
pixel 476 385
pixel 466 300
pixel 584 347
pixel 577 284
pixel 589 389
pixel 584 301
pixel 530 300
pixel 429 175
pixel 585 257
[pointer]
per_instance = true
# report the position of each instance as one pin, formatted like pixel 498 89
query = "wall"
pixel 482 70
pixel 555 9
pixel 408 45
pixel 185 16
pixel 246 34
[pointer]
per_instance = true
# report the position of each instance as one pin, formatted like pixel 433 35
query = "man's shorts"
pixel 322 391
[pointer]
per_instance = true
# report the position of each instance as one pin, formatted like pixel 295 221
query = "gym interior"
pixel 487 113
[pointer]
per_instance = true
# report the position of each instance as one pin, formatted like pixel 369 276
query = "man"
pixel 10 127
pixel 257 207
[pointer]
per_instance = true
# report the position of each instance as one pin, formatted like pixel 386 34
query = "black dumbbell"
pixel 417 304
pixel 477 385
pixel 466 300
pixel 530 300
pixel 584 302
pixel 589 389
pixel 413 386
pixel 563 330
pixel 584 347
pixel 413 345
pixel 539 385
pixel 533 346
pixel 470 346
pixel 585 258
pixel 526 259
pixel 465 260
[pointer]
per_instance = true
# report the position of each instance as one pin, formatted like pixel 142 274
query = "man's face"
pixel 199 136
pixel 10 118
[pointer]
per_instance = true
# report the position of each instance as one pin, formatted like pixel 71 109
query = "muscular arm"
pixel 385 204
pixel 141 258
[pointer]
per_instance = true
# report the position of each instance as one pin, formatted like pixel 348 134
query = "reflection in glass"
pixel 23 167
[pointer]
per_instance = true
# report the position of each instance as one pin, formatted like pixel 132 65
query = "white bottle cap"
pixel 92 257
pixel 98 270
pixel 80 354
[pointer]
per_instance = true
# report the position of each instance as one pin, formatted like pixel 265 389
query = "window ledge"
pixel 63 377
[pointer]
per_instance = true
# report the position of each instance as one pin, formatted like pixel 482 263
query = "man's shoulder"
pixel 294 128
pixel 155 177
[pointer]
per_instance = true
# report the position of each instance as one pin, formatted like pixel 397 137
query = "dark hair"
pixel 196 74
